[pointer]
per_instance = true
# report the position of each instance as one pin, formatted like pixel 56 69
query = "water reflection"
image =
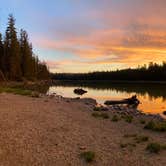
pixel 152 96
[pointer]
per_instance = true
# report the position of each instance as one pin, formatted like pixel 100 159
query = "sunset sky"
pixel 90 35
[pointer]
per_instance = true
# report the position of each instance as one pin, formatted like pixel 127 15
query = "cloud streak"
pixel 108 33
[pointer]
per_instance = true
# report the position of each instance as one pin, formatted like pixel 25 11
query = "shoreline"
pixel 119 109
pixel 53 130
pixel 112 81
pixel 37 88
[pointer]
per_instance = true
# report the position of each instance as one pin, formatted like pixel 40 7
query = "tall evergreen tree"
pixel 2 77
pixel 26 55
pixel 42 71
pixel 34 66
pixel 1 53
pixel 16 56
pixel 12 51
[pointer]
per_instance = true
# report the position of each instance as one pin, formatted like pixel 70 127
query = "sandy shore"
pixel 53 131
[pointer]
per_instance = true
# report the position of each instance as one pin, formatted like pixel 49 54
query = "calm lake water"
pixel 152 96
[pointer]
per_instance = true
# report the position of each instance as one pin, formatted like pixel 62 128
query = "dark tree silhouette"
pixel 152 72
pixel 12 51
pixel 17 61
pixel 1 53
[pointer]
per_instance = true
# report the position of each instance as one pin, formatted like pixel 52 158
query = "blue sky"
pixel 90 35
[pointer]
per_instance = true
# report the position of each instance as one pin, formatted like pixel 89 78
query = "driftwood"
pixel 79 91
pixel 130 101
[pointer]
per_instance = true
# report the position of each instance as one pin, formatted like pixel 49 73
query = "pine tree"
pixel 43 73
pixel 12 51
pixel 34 66
pixel 1 53
pixel 26 55
pixel 16 56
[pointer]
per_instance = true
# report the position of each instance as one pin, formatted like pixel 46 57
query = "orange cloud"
pixel 133 35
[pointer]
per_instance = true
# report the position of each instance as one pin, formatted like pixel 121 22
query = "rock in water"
pixel 80 91
pixel 164 112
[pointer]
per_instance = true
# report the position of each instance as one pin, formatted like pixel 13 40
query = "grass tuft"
pixel 88 156
pixel 100 115
pixel 96 109
pixel 142 121
pixel 153 147
pixel 150 125
pixel 105 116
pixel 140 139
pixel 156 126
pixel 130 135
pixel 128 118
pixel 95 114
pixel 35 94
pixel 115 118
pixel 18 91
pixel 124 145
pixel 163 147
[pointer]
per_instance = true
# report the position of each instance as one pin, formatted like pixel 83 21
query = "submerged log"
pixel 79 91
pixel 130 101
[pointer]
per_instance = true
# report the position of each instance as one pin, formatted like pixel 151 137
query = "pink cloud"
pixel 134 33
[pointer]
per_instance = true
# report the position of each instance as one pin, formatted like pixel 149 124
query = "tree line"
pixel 17 61
pixel 150 72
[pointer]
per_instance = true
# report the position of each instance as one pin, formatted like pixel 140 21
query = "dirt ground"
pixel 53 131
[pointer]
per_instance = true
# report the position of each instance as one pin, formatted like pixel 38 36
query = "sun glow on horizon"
pixel 85 36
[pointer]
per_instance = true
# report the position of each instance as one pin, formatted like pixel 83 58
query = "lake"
pixel 152 96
